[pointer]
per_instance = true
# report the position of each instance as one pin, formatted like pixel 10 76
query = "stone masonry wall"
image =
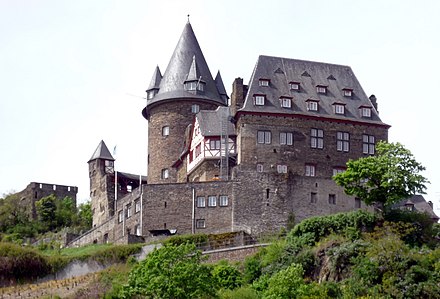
pixel 164 150
pixel 102 192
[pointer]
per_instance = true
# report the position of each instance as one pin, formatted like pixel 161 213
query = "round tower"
pixel 185 88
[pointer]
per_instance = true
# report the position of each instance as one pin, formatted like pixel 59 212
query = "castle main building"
pixel 244 163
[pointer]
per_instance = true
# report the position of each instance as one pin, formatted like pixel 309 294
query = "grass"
pixel 77 252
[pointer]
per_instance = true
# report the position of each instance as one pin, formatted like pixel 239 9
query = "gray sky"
pixel 69 70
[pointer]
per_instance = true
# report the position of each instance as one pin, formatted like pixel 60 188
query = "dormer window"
pixel 321 89
pixel 264 82
pixel 312 105
pixel 347 92
pixel 294 86
pixel 195 85
pixel 365 111
pixel 151 93
pixel 259 100
pixel 286 102
pixel 339 108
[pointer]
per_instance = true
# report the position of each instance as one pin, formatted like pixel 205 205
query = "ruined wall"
pixel 35 191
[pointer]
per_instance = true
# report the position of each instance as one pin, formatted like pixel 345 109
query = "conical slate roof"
pixel 194 72
pixel 155 80
pixel 220 86
pixel 187 58
pixel 102 152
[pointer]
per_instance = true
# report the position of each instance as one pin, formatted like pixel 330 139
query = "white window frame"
pixel 128 210
pixel 343 141
pixel 368 144
pixel 317 138
pixel 165 131
pixel 339 109
pixel 282 168
pixel 195 108
pixel 165 173
pixel 286 102
pixel 201 202
pixel 120 216
pixel 260 167
pixel 366 111
pixel 223 200
pixel 294 85
pixel 137 206
pixel 321 89
pixel 348 92
pixel 259 100
pixel 137 230
pixel 286 138
pixel 264 137
pixel 200 223
pixel 216 143
pixel 337 170
pixel 264 82
pixel 310 170
pixel 312 105
pixel 212 201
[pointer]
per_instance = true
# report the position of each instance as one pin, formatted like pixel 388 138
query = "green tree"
pixel 170 272
pixel 85 215
pixel 46 211
pixel 65 212
pixel 390 176
pixel 12 212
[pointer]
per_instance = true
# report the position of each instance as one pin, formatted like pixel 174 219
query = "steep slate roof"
pixel 282 71
pixel 220 86
pixel 210 121
pixel 102 152
pixel 420 205
pixel 171 85
pixel 155 80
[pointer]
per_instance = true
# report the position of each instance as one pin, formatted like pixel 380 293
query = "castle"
pixel 245 163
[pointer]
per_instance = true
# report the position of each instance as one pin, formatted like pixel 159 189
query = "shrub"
pixel 227 276
pixel 245 292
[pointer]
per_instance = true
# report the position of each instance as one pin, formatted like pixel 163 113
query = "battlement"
pixel 53 187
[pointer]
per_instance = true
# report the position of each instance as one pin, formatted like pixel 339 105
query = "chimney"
pixel 373 100
pixel 238 95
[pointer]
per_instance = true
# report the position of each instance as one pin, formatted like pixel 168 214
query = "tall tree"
pixel 390 176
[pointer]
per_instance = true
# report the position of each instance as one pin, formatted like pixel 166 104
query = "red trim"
pixel 312 117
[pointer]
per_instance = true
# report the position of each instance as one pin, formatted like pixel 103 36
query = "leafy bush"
pixel 245 292
pixel 252 268
pixel 184 239
pixel 18 263
pixel 227 276
pixel 322 226
pixel 170 272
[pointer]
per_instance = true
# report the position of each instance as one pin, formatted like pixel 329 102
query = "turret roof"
pixel 102 152
pixel 187 61
pixel 155 80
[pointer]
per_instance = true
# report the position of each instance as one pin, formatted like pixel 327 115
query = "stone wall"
pixel 35 191
pixel 163 151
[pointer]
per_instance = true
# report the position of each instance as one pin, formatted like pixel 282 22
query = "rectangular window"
pixel 332 199
pixel 259 100
pixel 120 216
pixel 223 200
pixel 286 138
pixel 294 85
pixel 137 230
pixel 317 138
pixel 282 168
pixel 165 131
pixel 212 201
pixel 366 112
pixel 201 203
pixel 348 92
pixel 312 106
pixel 313 197
pixel 214 144
pixel 259 167
pixel 165 173
pixel 200 223
pixel 137 206
pixel 264 137
pixel 286 102
pixel 195 108
pixel 321 89
pixel 198 150
pixel 310 170
pixel 128 210
pixel 337 170
pixel 368 144
pixel 339 109
pixel 357 203
pixel 264 82
pixel 343 141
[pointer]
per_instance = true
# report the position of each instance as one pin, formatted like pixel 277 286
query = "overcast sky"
pixel 75 72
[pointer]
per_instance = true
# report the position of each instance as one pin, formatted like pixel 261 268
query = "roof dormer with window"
pixel 259 99
pixel 348 92
pixel 295 86
pixel 339 108
pixel 365 111
pixel 321 89
pixel 286 102
pixel 264 82
pixel 312 105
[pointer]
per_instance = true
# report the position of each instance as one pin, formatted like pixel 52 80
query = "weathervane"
pixel 188 18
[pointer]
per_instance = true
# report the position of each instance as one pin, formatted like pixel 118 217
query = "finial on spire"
pixel 188 18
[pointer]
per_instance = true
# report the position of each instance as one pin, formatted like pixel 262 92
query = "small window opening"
pixel 267 193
